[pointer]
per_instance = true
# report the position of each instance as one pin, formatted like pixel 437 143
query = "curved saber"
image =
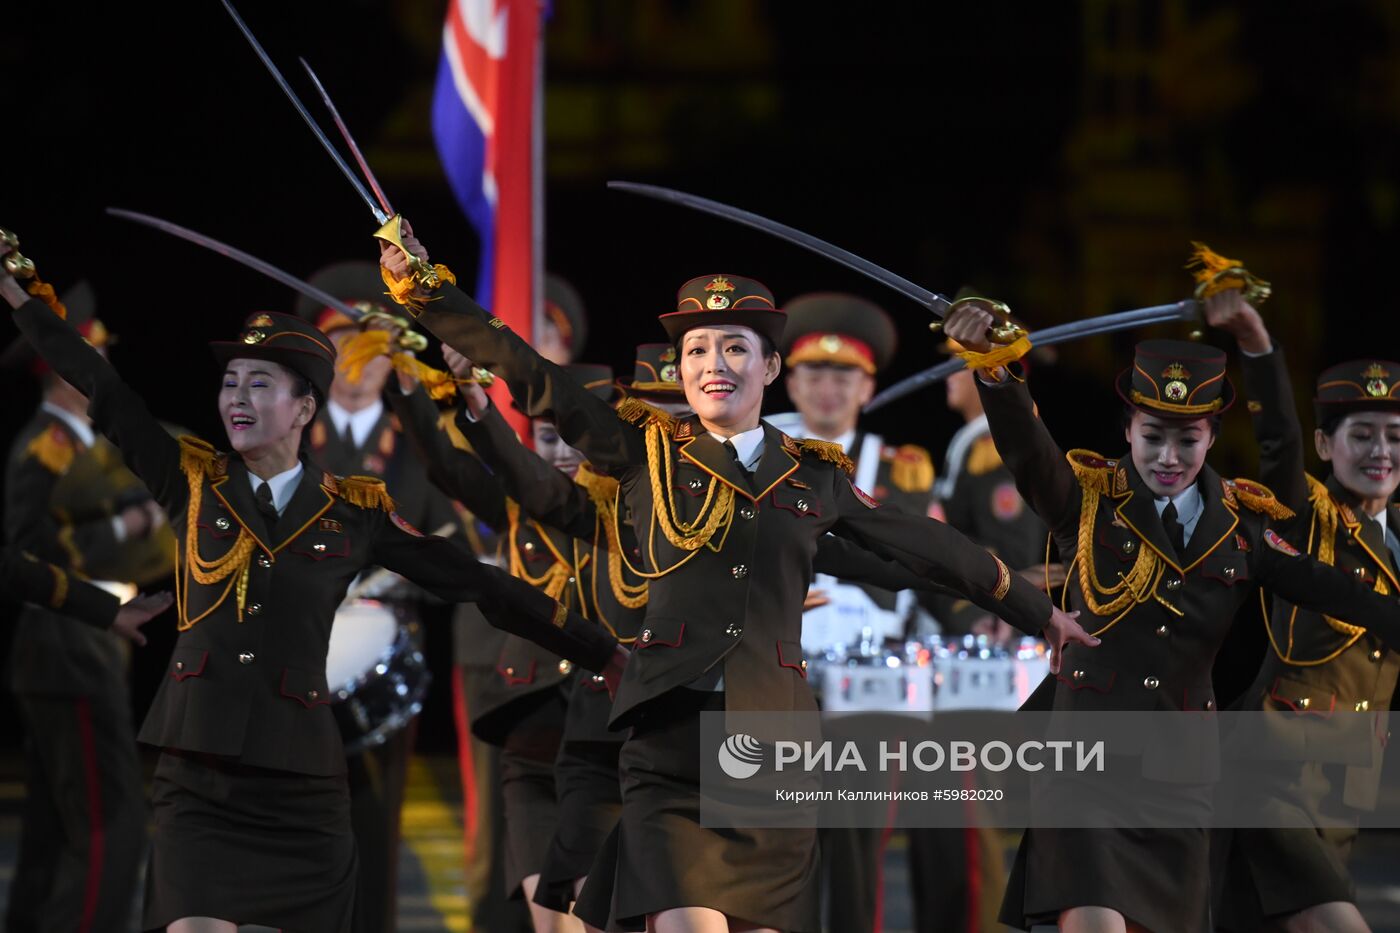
pixel 349 140
pixel 326 299
pixel 935 302
pixel 349 173
pixel 1060 333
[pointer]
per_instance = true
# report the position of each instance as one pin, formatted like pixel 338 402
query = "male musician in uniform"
pixel 70 502
pixel 834 347
pixel 356 434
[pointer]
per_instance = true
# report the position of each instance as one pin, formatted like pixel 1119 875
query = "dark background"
pixel 1057 155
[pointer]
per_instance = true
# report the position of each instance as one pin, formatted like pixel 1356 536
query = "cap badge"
pixel 254 336
pixel 829 343
pixel 668 355
pixel 262 320
pixel 668 373
pixel 1176 390
pixel 1375 376
pixel 718 301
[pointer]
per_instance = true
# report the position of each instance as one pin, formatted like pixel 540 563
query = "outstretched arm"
pixel 118 411
pixel 1304 581
pixel 587 422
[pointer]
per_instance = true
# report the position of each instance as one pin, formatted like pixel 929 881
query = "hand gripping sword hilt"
pixel 1003 331
pixel 423 272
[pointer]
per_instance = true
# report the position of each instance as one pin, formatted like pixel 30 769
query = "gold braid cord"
pixel 603 491
pixel 198 461
pixel 60 588
pixel 1326 515
pixel 1134 587
pixel 715 511
pixel 554 581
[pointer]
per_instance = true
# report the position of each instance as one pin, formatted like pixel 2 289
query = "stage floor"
pixel 433 897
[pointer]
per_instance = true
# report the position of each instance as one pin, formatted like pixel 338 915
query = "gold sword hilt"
pixel 17 265
pixel 423 272
pixel 1003 332
pixel 408 338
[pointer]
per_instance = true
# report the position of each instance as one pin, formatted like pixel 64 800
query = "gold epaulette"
pixel 54 449
pixel 1259 498
pixel 198 457
pixel 832 453
pixel 983 458
pixel 636 411
pixel 367 492
pixel 1092 471
pixel 911 468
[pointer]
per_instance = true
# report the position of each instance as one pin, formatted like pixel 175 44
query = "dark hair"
pixel 1128 411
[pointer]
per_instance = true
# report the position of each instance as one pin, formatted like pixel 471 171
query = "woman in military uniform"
pixel 1165 553
pixel 1298 878
pixel 728 513
pixel 252 810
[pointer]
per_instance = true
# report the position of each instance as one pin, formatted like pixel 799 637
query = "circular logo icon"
pixel 740 756
pixel 668 373
pixel 1007 503
pixel 1376 388
pixel 717 302
pixel 1175 390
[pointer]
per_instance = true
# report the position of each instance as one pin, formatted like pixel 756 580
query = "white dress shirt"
pixel 360 422
pixel 284 485
pixel 1189 506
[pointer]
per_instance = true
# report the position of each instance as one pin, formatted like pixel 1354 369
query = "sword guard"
pixel 21 267
pixel 423 273
pixel 10 239
pixel 1004 331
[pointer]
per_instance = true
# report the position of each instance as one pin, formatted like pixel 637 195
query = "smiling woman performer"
pixel 729 513
pixel 251 804
pixel 1298 878
pixel 1165 553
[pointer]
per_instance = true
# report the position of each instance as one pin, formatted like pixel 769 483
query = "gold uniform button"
pixel 801 505
pixel 1151 683
pixel 733 631
pixel 1360 571
pixel 313 694
pixel 1230 573
pixel 566 667
pixel 246 657
pixel 1363 706
pixel 740 571
pixel 646 634
pixel 695 484
pixel 1209 705
pixel 1376 655
pixel 1174 584
pixel 1163 631
pixel 510 672
pixel 222 523
pixel 1304 703
pixel 264 561
pixel 528 546
pixel 572 580
pixel 255 609
pixel 179 665
pixel 747 512
pixel 1078 675
pixel 1129 547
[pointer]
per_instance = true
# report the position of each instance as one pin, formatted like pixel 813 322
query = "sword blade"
pixel 237 255
pixel 305 115
pixel 1048 337
pixel 349 140
pixel 929 299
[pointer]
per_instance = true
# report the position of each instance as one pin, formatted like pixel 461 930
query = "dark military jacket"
pixel 977 495
pixel 247 678
pixel 1318 665
pixel 58 508
pixel 28 579
pixel 730 555
pixel 1162 616
pixel 385 455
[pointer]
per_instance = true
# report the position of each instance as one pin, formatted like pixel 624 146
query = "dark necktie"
pixel 263 496
pixel 1176 532
pixel 743 470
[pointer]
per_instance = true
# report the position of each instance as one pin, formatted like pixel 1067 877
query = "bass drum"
pixel 376 671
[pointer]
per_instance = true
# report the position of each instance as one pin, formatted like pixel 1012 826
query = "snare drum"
pixel 376 671
pixel 882 680
pixel 978 676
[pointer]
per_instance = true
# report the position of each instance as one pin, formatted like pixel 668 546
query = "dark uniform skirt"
pixel 660 857
pixel 527 786
pixel 1156 878
pixel 1300 862
pixel 590 802
pixel 249 845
